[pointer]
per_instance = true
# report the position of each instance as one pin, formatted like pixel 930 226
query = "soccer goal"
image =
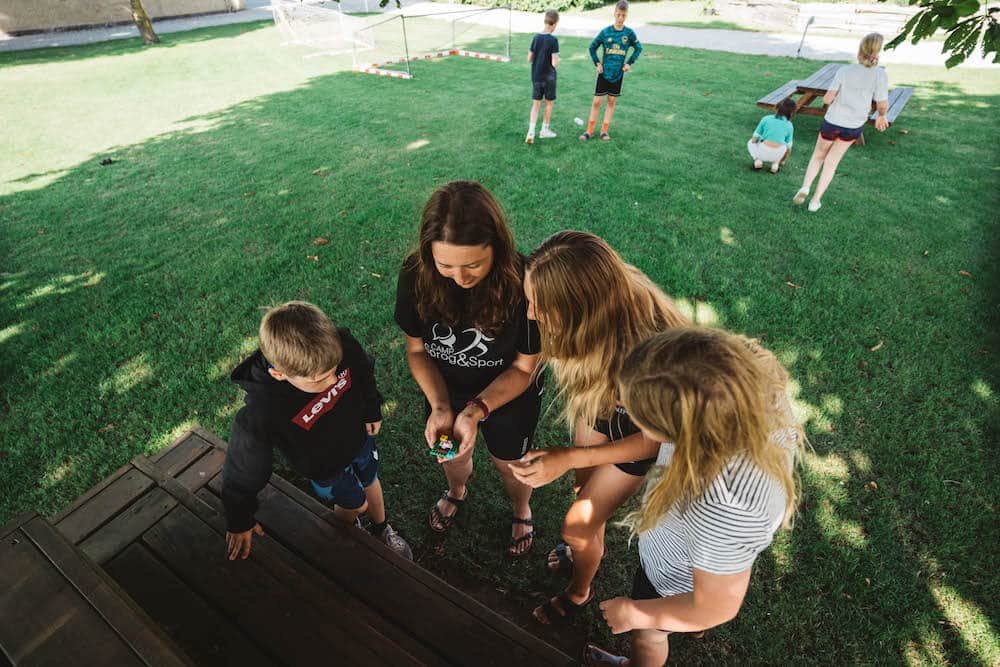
pixel 386 44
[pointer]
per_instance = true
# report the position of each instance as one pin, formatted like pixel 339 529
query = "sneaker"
pixel 800 196
pixel 395 541
pixel 585 136
pixel 530 139
pixel 814 206
pixel 546 133
pixel 758 164
pixel 775 166
pixel 605 136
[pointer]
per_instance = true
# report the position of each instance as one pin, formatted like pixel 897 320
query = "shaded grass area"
pixel 129 291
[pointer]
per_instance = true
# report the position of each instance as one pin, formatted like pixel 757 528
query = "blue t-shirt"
pixel 543 46
pixel 616 44
pixel 773 128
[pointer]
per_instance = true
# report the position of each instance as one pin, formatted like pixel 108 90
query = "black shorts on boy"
pixel 619 427
pixel 544 90
pixel 605 87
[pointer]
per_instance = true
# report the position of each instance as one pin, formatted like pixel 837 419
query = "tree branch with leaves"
pixel 969 25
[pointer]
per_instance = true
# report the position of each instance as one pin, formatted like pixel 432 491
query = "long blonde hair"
pixel 592 308
pixel 714 395
pixel 869 49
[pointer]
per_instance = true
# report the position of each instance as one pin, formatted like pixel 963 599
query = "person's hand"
pixel 753 141
pixel 881 123
pixel 626 67
pixel 618 614
pixel 238 544
pixel 600 68
pixel 541 466
pixel 440 422
pixel 466 429
pixel 372 428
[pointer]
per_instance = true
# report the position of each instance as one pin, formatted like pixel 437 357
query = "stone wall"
pixel 18 16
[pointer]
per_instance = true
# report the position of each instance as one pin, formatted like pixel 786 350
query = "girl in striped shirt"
pixel 724 485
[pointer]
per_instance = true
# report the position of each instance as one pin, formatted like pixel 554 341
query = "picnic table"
pixel 817 85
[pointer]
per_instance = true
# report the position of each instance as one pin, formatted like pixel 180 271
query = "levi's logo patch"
pixel 324 401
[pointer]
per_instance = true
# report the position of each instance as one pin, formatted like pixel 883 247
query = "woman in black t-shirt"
pixel 470 345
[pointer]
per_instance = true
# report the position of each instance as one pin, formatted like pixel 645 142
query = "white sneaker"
pixel 775 166
pixel 758 164
pixel 814 206
pixel 395 541
pixel 800 196
pixel 546 133
pixel 530 139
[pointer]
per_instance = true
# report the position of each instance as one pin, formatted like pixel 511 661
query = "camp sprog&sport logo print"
pixel 467 348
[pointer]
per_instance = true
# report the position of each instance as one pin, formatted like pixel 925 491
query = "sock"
pixel 531 128
pixel 545 127
pixel 590 126
pixel 604 128
pixel 377 528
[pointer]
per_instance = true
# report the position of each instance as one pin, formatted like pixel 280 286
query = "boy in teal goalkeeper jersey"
pixel 615 40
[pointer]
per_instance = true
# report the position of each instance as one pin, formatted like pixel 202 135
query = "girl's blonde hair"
pixel 592 308
pixel 869 49
pixel 714 395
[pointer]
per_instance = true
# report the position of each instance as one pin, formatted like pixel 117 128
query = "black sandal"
pixel 446 522
pixel 564 562
pixel 566 611
pixel 517 541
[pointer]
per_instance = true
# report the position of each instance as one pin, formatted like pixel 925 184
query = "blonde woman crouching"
pixel 592 308
pixel 727 483
pixel 849 101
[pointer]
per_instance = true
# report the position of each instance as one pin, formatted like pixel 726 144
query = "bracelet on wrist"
pixel 481 404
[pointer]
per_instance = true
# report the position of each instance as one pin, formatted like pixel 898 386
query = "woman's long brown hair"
pixel 465 213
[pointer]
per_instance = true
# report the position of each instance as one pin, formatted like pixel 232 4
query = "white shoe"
pixel 530 139
pixel 800 196
pixel 775 166
pixel 395 541
pixel 814 206
pixel 758 164
pixel 546 133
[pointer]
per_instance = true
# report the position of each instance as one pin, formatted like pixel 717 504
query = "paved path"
pixel 734 41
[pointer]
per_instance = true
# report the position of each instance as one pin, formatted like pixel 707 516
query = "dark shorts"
pixel 543 89
pixel 605 87
pixel 347 490
pixel 642 589
pixel 620 427
pixel 510 430
pixel 832 132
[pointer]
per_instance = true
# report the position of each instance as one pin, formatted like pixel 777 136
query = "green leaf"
pixel 966 7
pixel 925 25
pixel 956 59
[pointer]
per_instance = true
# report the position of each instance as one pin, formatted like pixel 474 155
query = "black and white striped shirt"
pixel 721 532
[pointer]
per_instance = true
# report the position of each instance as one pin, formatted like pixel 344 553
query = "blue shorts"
pixel 347 490
pixel 831 132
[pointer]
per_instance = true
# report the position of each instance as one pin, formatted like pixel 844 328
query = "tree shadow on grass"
pixel 132 289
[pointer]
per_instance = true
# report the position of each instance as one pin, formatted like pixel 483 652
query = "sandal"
pixel 605 136
pixel 564 558
pixel 445 522
pixel 585 136
pixel 548 612
pixel 515 542
pixel 595 655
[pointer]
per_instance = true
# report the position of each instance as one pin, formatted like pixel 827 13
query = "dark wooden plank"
pixel 382 632
pixel 206 636
pixel 391 645
pixel 93 491
pixel 102 507
pixel 128 620
pixel 127 526
pixel 45 619
pixel 207 467
pixel 17 522
pixel 287 626
pixel 773 98
pixel 209 437
pixel 373 551
pixel 185 451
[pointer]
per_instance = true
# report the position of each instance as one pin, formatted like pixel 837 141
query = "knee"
pixel 649 639
pixel 596 103
pixel 578 535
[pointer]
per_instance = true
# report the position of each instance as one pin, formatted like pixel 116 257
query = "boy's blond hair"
pixel 298 339
pixel 551 17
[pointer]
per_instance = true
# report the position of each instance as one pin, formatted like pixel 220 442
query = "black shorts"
pixel 620 427
pixel 642 589
pixel 510 430
pixel 605 87
pixel 832 132
pixel 543 89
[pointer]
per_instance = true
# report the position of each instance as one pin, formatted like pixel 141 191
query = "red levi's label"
pixel 324 401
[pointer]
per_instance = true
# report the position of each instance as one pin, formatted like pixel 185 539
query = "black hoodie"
pixel 319 434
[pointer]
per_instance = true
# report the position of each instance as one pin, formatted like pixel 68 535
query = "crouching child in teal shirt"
pixel 772 140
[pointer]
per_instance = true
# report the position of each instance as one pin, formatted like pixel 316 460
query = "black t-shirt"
pixel 468 359
pixel 543 46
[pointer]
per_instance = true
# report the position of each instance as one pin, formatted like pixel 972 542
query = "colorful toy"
pixel 444 448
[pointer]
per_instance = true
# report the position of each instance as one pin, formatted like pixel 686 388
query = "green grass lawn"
pixel 129 291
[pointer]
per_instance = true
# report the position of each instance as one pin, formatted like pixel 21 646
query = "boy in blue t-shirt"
pixel 544 58
pixel 616 40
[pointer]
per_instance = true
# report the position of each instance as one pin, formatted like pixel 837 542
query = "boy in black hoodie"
pixel 311 393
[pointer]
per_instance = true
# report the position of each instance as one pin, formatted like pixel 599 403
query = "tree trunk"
pixel 142 22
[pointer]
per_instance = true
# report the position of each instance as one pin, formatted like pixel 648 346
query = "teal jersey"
pixel 772 128
pixel 616 44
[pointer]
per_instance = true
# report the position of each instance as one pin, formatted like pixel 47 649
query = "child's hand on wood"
pixel 238 544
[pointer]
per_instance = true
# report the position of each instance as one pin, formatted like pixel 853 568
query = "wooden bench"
pixel 312 589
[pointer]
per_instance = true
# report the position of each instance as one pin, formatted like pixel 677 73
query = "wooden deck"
pixel 311 590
